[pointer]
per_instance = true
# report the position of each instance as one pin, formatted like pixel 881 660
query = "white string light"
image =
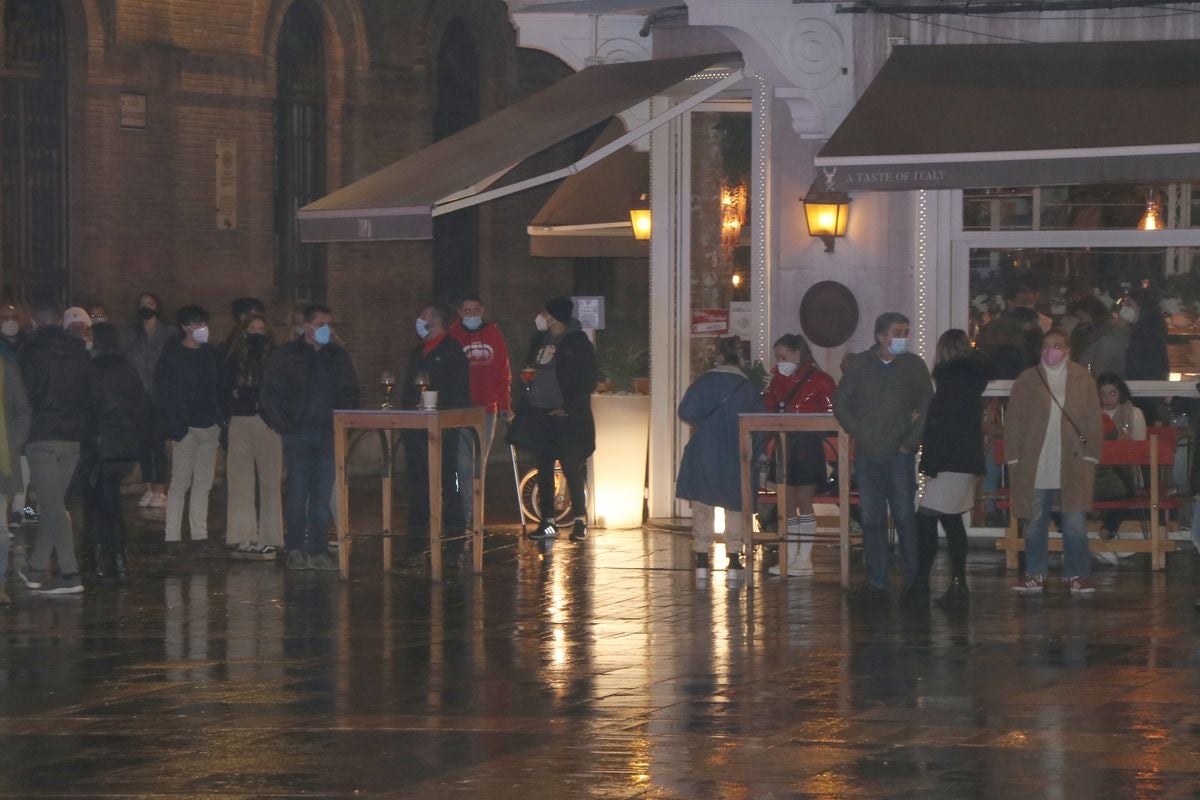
pixel 762 283
pixel 923 265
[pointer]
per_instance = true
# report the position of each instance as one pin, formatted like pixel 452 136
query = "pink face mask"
pixel 1052 357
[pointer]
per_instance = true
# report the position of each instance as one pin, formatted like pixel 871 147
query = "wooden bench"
pixel 1157 450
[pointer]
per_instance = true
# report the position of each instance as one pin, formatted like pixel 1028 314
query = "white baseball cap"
pixel 76 314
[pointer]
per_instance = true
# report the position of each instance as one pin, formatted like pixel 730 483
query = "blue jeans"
pixel 1077 562
pixel 887 481
pixel 308 459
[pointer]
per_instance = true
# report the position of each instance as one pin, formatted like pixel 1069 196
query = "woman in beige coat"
pixel 1052 441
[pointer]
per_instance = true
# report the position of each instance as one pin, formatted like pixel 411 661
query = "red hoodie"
pixel 491 378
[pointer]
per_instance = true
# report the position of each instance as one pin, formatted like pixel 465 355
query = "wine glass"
pixel 422 382
pixel 388 382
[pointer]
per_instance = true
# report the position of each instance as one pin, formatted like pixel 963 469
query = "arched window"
pixel 33 153
pixel 299 151
pixel 456 106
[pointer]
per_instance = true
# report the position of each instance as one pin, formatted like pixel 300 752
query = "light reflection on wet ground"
pixel 594 671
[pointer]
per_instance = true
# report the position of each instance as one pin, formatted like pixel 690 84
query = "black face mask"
pixel 146 312
pixel 256 340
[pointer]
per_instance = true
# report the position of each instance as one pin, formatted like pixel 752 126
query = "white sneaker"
pixel 1105 557
pixel 146 499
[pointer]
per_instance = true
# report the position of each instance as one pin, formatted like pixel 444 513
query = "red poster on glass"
pixel 710 321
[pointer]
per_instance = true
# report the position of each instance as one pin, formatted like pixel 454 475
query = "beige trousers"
pixel 254 451
pixel 193 462
pixel 702 529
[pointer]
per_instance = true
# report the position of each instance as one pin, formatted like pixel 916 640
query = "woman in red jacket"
pixel 798 386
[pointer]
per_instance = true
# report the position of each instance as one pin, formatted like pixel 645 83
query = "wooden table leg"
pixel 434 437
pixel 843 446
pixel 783 505
pixel 387 499
pixel 745 447
pixel 477 486
pixel 343 496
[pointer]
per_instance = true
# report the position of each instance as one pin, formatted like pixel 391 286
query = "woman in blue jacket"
pixel 710 473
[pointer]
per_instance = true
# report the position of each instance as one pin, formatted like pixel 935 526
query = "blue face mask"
pixel 322 334
pixel 422 328
pixel 472 323
pixel 898 346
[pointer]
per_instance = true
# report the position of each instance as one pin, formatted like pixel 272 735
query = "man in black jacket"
pixel 440 359
pixel 560 403
pixel 305 380
pixel 57 372
pixel 185 402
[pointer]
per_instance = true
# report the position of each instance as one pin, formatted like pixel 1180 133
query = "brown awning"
pixel 965 116
pixel 588 214
pixel 400 201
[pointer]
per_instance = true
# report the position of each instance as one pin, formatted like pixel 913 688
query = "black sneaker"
pixel 546 530
pixel 701 560
pixel 866 594
pixel 579 531
pixel 30 515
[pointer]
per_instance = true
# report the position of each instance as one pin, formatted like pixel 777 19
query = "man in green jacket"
pixel 881 402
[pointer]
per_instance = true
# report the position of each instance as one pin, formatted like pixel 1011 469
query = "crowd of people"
pixel 1069 395
pixel 85 403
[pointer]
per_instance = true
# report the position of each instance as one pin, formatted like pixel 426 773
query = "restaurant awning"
pixel 588 214
pixel 400 200
pixel 975 116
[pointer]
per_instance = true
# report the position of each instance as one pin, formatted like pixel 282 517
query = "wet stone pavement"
pixel 599 670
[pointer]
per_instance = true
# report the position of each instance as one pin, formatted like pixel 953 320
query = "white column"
pixel 763 244
pixel 670 188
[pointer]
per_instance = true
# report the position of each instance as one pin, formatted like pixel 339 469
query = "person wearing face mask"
pixel 881 402
pixel 58 374
pixel 185 399
pixel 302 384
pixel 491 384
pixel 1098 341
pixel 799 386
pixel 253 531
pixel 142 345
pixel 1053 437
pixel 443 362
pixel 709 471
pixel 12 337
pixel 559 406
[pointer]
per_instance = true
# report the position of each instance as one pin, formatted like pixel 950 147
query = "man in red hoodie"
pixel 491 384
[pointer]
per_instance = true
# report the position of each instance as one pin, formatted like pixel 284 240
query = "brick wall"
pixel 142 202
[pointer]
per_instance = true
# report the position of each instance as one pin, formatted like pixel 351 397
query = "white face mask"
pixel 540 323
pixel 10 328
pixel 898 347
pixel 200 335
pixel 1129 314
pixel 786 368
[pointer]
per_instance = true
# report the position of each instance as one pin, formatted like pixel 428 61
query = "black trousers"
pixel 102 497
pixel 416 462
pixel 557 445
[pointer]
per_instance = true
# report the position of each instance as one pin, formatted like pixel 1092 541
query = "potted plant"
pixel 621 368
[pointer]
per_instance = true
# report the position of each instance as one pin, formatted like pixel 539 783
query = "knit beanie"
pixel 561 308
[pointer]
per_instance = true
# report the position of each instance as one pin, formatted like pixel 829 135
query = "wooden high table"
pixel 433 423
pixel 748 425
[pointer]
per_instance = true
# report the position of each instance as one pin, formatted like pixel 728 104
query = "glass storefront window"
pixel 1110 206
pixel 1107 272
pixel 998 209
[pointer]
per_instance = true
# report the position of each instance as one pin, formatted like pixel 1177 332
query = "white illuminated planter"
pixel 619 463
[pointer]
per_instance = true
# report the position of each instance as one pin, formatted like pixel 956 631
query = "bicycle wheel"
pixel 531 496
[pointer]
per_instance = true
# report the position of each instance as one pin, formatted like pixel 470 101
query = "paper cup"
pixel 429 400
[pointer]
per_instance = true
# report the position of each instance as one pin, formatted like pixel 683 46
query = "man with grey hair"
pixel 57 372
pixel 881 402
